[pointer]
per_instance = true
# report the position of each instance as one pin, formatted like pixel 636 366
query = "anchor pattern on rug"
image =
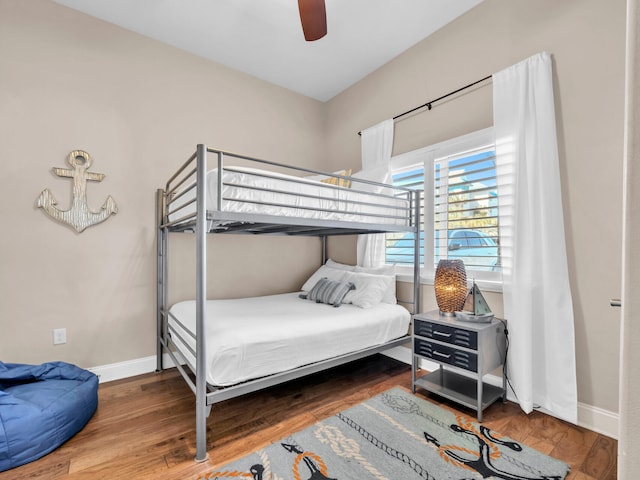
pixel 305 466
pixel 79 216
pixel 481 460
pixel 315 464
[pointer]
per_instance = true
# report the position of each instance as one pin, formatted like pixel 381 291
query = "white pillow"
pixel 383 270
pixel 370 289
pixel 329 179
pixel 390 294
pixel 340 266
pixel 324 271
pixel 335 271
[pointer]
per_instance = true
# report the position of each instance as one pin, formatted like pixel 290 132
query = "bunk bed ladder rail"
pixel 161 277
pixel 164 338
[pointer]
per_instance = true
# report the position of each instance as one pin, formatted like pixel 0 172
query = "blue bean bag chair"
pixel 41 407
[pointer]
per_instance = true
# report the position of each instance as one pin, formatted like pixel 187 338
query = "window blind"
pixel 466 209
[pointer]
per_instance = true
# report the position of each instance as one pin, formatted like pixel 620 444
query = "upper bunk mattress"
pixel 253 337
pixel 254 191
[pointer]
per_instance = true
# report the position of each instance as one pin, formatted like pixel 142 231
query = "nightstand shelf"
pixel 473 348
pixel 458 388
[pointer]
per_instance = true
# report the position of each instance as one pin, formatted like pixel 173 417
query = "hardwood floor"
pixel 144 427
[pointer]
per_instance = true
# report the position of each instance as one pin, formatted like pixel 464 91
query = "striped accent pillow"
pixel 340 182
pixel 328 291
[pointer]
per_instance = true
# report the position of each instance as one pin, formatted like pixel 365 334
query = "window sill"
pixel 485 285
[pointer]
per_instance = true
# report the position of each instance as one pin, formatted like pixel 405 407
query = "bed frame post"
pixel 323 238
pixel 161 276
pixel 415 201
pixel 201 305
pixel 416 252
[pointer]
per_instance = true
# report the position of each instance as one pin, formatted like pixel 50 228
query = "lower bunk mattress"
pixel 254 337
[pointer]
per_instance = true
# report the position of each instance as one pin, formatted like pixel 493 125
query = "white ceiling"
pixel 264 38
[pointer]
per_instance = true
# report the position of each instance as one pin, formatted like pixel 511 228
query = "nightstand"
pixel 465 353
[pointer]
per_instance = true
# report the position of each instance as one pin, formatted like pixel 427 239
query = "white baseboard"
pixel 589 417
pixel 130 368
pixel 599 420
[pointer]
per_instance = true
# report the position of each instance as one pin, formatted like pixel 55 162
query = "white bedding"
pixel 277 195
pixel 258 336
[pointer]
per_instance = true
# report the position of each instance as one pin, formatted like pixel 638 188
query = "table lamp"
pixel 450 285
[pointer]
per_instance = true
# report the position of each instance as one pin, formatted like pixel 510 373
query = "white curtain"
pixel 377 145
pixel 537 295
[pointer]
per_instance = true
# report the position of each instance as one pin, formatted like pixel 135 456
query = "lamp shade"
pixel 450 285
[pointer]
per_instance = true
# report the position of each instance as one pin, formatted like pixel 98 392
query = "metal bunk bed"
pixel 183 206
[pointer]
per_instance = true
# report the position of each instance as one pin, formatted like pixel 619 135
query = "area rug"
pixel 395 436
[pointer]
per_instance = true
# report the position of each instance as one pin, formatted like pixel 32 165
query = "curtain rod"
pixel 430 103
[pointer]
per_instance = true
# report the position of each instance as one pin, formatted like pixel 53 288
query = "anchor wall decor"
pixel 79 216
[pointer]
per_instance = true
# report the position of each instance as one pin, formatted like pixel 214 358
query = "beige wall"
pixel 586 38
pixel 68 82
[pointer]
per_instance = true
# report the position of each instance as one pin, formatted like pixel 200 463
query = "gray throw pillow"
pixel 327 291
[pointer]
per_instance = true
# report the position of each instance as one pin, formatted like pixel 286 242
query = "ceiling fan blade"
pixel 313 16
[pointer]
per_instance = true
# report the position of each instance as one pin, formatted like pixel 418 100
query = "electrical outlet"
pixel 59 336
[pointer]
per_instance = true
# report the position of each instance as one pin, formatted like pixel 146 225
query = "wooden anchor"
pixel 79 216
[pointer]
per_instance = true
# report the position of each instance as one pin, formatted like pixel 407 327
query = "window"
pixel 400 246
pixel 459 204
